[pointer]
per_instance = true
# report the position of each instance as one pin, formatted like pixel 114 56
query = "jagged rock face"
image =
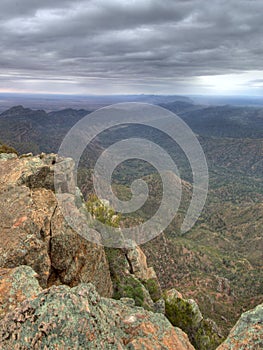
pixel 78 318
pixel 247 333
pixel 224 285
pixel 33 231
pixel 138 264
pixel 132 278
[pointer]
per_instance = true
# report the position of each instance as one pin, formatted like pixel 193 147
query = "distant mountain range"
pixel 90 102
pixel 38 130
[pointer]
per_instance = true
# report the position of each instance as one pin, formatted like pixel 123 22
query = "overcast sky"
pixel 132 46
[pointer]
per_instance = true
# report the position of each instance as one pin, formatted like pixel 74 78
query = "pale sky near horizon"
pixel 131 46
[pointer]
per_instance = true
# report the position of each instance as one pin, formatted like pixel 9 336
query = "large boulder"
pixel 247 334
pixel 78 318
pixel 33 230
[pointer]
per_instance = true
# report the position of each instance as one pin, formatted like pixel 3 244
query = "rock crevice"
pixel 34 232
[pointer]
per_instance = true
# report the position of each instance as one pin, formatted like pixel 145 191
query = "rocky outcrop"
pixel 34 232
pixel 47 300
pixel 138 264
pixel 174 297
pixel 247 334
pixel 38 249
pixel 132 277
pixel 78 318
pixel 224 286
pixel 185 313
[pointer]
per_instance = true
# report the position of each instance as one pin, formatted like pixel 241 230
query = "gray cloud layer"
pixel 127 46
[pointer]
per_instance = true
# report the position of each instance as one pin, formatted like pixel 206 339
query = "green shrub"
pixel 129 287
pixel 7 149
pixel 153 288
pixel 202 335
pixel 102 211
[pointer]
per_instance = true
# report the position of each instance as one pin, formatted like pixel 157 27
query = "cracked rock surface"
pixel 78 318
pixel 34 232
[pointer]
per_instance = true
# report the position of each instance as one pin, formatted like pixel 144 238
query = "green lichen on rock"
pixel 16 285
pixel 24 281
pixel 247 334
pixel 78 318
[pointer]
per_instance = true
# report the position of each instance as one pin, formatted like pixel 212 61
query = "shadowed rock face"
pixel 78 318
pixel 33 231
pixel 247 333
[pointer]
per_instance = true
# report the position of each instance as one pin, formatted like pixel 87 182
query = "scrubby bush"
pixel 101 211
pixel 6 149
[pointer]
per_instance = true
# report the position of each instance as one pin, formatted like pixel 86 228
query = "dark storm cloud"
pixel 144 45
